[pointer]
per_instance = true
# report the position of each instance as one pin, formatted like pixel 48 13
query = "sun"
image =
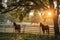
pixel 49 13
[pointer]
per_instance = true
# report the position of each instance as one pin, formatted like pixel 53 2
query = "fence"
pixel 34 29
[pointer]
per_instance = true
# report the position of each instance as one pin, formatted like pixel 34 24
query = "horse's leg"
pixel 43 31
pixel 16 34
pixel 19 31
pixel 47 31
pixel 15 31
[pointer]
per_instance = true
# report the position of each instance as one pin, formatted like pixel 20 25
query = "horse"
pixel 44 28
pixel 17 27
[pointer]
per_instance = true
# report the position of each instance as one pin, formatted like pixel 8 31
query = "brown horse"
pixel 44 28
pixel 17 27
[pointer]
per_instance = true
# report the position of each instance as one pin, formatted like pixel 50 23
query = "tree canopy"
pixel 23 7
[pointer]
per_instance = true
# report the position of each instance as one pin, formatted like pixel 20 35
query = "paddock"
pixel 33 29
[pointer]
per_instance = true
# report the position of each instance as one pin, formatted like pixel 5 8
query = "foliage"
pixel 20 13
pixel 36 4
pixel 36 17
pixel 16 14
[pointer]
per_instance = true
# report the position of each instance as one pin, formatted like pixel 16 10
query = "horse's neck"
pixel 14 24
pixel 42 24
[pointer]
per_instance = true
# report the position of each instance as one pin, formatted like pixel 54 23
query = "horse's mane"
pixel 41 24
pixel 14 24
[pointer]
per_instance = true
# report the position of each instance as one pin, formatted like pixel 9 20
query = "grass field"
pixel 22 36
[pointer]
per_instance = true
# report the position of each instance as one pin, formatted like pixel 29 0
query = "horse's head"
pixel 41 24
pixel 14 24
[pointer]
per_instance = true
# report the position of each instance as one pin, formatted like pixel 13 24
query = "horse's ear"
pixel 40 23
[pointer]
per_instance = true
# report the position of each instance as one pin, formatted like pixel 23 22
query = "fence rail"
pixel 34 29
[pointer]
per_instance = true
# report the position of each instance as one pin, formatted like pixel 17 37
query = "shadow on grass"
pixel 27 36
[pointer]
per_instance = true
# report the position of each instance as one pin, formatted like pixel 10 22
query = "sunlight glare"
pixel 59 15
pixel 49 13
pixel 31 13
pixel 55 4
pixel 4 2
pixel 39 13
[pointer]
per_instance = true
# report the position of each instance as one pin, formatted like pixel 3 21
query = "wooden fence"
pixel 34 29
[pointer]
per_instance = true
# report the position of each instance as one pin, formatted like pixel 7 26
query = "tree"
pixel 36 17
pixel 29 5
pixel 55 19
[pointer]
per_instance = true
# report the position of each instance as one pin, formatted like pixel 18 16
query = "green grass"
pixel 26 36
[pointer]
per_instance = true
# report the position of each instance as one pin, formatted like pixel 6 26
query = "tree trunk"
pixel 56 26
pixel 55 19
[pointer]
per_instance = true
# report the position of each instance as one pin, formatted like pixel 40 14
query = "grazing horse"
pixel 44 28
pixel 17 27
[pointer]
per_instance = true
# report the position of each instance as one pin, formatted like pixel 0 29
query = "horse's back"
pixel 17 27
pixel 47 27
